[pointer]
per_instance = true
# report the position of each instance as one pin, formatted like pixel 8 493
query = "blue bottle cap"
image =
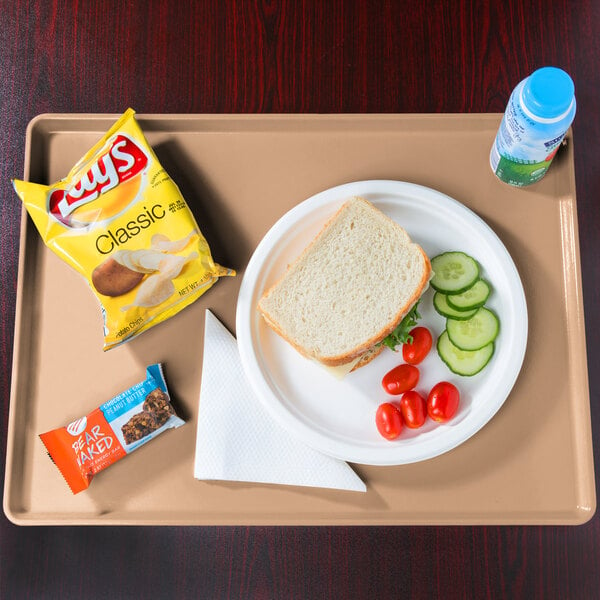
pixel 548 92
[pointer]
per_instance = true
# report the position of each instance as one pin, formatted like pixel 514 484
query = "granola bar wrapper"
pixel 112 431
pixel 122 223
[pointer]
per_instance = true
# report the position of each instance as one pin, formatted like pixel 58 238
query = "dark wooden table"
pixel 294 56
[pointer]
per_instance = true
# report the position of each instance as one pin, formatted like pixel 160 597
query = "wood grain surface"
pixel 308 56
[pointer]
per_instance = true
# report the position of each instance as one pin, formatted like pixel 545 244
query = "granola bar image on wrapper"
pixel 156 411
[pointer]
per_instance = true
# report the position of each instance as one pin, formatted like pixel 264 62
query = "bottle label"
pixel 516 172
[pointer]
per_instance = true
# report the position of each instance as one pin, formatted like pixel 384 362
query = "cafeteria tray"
pixel 531 464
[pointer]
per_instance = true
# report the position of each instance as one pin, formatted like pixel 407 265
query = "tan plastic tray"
pixel 532 464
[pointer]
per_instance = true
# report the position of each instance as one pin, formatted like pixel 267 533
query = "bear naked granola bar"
pixel 111 431
pixel 122 223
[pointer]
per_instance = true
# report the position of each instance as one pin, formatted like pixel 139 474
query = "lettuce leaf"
pixel 400 335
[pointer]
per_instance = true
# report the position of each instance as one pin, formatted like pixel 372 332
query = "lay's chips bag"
pixel 121 221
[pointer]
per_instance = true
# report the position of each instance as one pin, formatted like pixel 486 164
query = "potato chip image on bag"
pixel 120 221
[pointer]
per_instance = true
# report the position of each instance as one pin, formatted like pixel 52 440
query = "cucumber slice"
pixel 475 297
pixel 463 362
pixel 454 272
pixel 474 333
pixel 440 303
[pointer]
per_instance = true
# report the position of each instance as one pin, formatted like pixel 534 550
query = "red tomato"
pixel 414 352
pixel 388 419
pixel 400 379
pixel 414 409
pixel 442 402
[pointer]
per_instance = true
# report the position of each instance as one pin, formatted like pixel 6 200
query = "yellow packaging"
pixel 121 221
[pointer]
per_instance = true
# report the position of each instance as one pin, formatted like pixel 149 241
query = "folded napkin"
pixel 237 440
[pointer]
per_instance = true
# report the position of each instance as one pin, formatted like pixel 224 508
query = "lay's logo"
pixel 119 166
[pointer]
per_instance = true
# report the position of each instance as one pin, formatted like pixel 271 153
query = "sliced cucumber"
pixel 463 362
pixel 474 333
pixel 454 272
pixel 474 297
pixel 441 305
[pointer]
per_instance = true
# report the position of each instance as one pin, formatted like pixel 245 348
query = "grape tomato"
pixel 414 409
pixel 414 352
pixel 442 401
pixel 400 379
pixel 388 419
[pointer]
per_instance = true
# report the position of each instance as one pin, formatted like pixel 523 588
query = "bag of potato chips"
pixel 121 221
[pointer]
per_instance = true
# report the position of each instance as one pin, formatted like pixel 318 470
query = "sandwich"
pixel 353 291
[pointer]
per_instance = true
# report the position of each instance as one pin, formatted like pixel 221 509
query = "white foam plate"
pixel 337 417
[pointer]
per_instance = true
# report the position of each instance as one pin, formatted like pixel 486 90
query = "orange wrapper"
pixel 88 445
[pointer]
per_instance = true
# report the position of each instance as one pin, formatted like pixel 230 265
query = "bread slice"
pixel 350 287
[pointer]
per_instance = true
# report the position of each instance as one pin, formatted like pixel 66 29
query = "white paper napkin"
pixel 237 440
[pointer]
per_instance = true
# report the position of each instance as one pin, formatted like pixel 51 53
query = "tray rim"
pixel 578 515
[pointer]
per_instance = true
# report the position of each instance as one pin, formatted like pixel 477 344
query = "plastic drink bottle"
pixel 540 110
